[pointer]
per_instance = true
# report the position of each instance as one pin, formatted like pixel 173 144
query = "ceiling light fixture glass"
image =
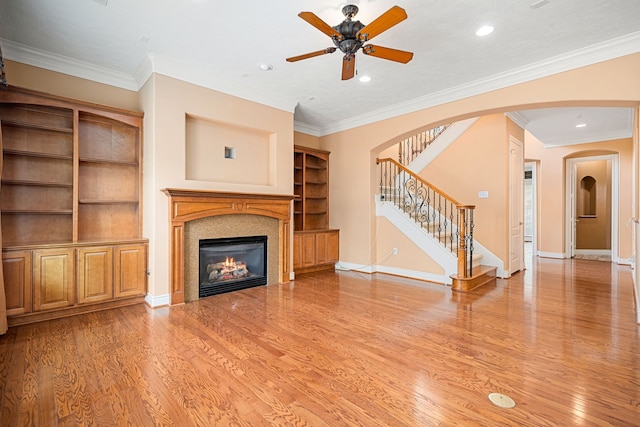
pixel 485 30
pixel 581 125
pixel 265 67
pixel 365 79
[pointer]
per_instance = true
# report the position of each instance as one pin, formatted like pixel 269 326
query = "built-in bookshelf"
pixel 315 245
pixel 70 203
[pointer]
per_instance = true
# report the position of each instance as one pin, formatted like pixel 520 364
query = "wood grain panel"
pixel 53 278
pixel 16 267
pixel 95 274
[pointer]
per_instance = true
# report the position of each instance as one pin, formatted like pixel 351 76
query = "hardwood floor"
pixel 344 348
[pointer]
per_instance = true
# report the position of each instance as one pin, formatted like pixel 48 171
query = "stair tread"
pixel 477 271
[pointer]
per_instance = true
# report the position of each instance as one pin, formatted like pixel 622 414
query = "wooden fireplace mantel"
pixel 189 205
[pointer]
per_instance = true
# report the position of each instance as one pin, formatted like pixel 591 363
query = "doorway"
pixel 530 210
pixel 592 207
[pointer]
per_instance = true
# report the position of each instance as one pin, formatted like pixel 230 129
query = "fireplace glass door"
pixel 230 264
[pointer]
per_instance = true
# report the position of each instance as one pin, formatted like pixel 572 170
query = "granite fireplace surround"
pixel 199 214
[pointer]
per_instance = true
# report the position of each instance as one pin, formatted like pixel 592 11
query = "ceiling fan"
pixel 349 36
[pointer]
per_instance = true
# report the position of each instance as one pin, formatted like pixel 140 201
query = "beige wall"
pixel 353 173
pixel 593 230
pixel 551 190
pixel 458 173
pixel 166 103
pixel 306 140
pixel 67 86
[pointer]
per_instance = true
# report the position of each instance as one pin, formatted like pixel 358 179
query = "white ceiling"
pixel 219 44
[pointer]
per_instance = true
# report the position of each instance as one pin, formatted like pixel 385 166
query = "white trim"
pixel 436 279
pixel 65 65
pixel 158 301
pixel 599 52
pixel 555 255
pixel 615 196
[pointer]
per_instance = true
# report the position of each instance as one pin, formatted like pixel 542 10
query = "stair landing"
pixel 480 275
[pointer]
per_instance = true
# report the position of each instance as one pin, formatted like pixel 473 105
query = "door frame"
pixel 534 205
pixel 571 187
pixel 516 204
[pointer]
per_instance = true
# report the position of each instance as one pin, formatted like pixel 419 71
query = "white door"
pixel 516 205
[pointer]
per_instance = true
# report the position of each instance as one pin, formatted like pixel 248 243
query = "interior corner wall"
pixel 352 180
pixel 306 140
pixel 170 101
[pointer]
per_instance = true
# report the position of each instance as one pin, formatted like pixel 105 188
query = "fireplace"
pixel 230 264
pixel 187 210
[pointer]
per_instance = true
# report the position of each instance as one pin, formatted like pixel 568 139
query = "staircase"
pixel 447 224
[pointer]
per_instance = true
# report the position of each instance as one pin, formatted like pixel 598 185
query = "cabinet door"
pixel 95 274
pixel 321 248
pixel 130 270
pixel 53 278
pixel 327 246
pixel 17 281
pixel 308 249
pixel 333 246
pixel 297 251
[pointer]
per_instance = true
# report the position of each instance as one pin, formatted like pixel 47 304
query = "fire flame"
pixel 229 263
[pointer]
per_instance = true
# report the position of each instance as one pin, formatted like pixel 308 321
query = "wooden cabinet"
pixel 53 278
pixel 130 273
pixel 16 266
pixel 70 197
pixel 315 246
pixel 315 250
pixel 95 274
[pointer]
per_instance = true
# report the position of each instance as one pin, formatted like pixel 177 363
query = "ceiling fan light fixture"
pixel 485 30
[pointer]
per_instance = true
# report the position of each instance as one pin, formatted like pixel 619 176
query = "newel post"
pixel 462 243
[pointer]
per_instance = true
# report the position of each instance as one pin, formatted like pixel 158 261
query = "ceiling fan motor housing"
pixel 349 30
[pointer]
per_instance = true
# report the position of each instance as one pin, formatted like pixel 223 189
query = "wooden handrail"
pixel 425 183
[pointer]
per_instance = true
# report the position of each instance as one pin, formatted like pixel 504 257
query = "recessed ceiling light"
pixel 485 30
pixel 265 67
pixel 581 125
pixel 365 79
pixel 538 3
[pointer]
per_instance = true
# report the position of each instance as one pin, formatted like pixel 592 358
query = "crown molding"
pixel 193 74
pixel 589 55
pixel 150 64
pixel 599 52
pixel 518 118
pixel 65 65
pixel 593 137
pixel 306 129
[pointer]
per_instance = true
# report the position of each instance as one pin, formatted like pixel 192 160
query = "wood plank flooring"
pixel 342 349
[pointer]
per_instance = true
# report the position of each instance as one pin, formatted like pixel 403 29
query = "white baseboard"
pixel 157 301
pixel 412 274
pixel 557 255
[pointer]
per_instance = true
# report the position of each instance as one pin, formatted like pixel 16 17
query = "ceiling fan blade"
pixel 387 53
pixel 348 67
pixel 382 23
pixel 313 19
pixel 311 54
